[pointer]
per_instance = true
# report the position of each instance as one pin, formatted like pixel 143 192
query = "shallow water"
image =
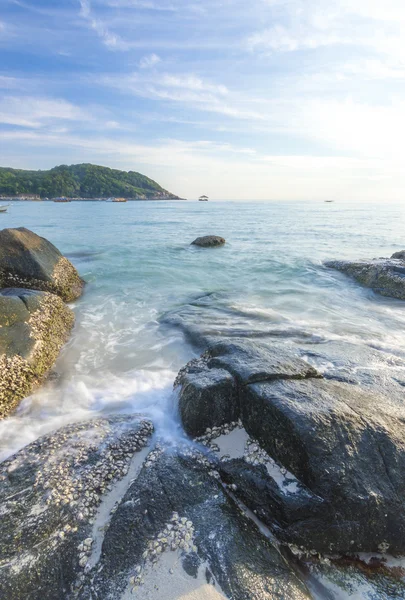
pixel 138 265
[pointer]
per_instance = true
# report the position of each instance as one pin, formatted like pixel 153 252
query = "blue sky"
pixel 259 99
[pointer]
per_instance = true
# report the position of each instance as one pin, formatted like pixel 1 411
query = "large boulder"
pixel 384 276
pixel 210 393
pixel 55 501
pixel 33 327
pixel 343 448
pixel 30 261
pixel 177 534
pixel 209 241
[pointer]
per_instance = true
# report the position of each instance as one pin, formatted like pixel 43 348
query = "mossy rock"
pixel 34 325
pixel 31 262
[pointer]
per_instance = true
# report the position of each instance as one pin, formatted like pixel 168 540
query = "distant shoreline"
pixel 10 199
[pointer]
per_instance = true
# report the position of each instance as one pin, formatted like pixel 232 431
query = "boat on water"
pixel 119 199
pixel 62 199
pixel 4 208
pixel 203 199
pixel 329 201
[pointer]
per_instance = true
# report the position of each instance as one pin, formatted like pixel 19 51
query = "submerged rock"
pixel 49 493
pixel 33 327
pixel 345 447
pixel 29 261
pixel 384 276
pixel 208 241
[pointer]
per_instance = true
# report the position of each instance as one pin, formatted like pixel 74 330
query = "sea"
pixel 268 281
pixel 139 266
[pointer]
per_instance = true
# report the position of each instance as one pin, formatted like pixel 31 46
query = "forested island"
pixel 80 181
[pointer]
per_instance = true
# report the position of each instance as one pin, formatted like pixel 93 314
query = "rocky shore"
pixel 35 282
pixel 386 276
pixel 289 477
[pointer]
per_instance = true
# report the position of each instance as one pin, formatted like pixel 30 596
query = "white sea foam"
pixel 146 392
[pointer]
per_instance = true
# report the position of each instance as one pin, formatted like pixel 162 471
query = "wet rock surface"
pixel 347 447
pixel 208 241
pixel 50 492
pixel 209 385
pixel 210 318
pixel 344 445
pixel 32 262
pixel 178 505
pixel 33 327
pixel 385 276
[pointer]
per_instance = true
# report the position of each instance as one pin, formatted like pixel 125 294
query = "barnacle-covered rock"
pixel 50 492
pixel 33 327
pixel 177 513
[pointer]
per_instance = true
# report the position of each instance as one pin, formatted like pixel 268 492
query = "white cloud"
pixel 144 4
pixel 187 89
pixel 111 40
pixel 35 112
pixel 305 24
pixel 9 83
pixel 149 61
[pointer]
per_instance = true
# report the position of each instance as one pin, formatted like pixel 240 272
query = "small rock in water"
pixel 209 241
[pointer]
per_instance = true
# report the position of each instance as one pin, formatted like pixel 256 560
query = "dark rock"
pixel 400 255
pixel 208 397
pixel 33 327
pixel 372 578
pixel 179 490
pixel 209 241
pixel 271 504
pixel 209 394
pixel 256 361
pixel 49 493
pixel 29 261
pixel 384 276
pixel 345 445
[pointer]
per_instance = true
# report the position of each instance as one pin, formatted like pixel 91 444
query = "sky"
pixel 236 99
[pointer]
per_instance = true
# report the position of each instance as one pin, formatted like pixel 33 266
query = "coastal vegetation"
pixel 82 180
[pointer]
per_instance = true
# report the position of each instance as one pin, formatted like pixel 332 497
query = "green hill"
pixel 83 181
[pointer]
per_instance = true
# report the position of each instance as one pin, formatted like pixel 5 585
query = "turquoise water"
pixel 138 264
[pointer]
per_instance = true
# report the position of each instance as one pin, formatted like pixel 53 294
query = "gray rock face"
pixel 384 276
pixel 33 328
pixel 210 392
pixel 256 361
pixel 49 493
pixel 345 446
pixel 208 397
pixel 177 506
pixel 29 261
pixel 209 241
pixel 400 255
